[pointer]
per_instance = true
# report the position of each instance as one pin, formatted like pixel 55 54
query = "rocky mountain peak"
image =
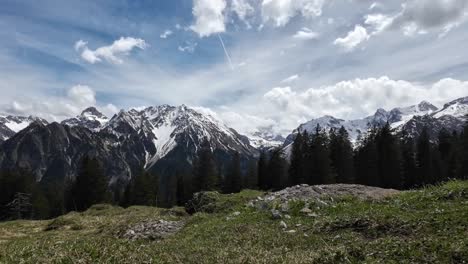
pixel 425 106
pixel 92 111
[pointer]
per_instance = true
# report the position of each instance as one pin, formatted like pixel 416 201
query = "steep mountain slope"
pixel 452 117
pixel 173 135
pixel 10 125
pixel 164 139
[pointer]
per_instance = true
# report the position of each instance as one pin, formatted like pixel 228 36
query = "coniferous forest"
pixel 382 158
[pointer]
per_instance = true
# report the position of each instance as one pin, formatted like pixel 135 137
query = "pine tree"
pixel 424 158
pixel 318 156
pixel 251 179
pixel 277 170
pixel 464 151
pixel 262 169
pixel 341 155
pixel 143 192
pixel 390 163
pixel 409 172
pixel 297 172
pixel 206 176
pixel 90 186
pixel 232 183
pixel 446 152
pixel 366 160
pixel 40 205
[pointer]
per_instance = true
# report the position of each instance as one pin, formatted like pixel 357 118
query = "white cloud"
pixel 209 17
pixel 378 22
pixel 188 47
pixel 361 97
pixel 281 11
pixel 306 34
pixel 82 95
pixel 420 16
pixel 57 108
pixel 111 53
pixel 245 124
pixel 353 39
pixel 166 34
pixel 80 44
pixel 290 79
pixel 242 8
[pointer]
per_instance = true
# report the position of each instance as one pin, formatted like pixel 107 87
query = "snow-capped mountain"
pixel 164 128
pixel 10 125
pixel 457 108
pixel 90 118
pixel 265 138
pixel 410 120
pixel 163 139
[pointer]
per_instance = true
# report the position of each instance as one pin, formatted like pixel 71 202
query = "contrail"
pixel 225 52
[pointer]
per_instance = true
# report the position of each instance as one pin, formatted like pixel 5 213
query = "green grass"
pixel 423 226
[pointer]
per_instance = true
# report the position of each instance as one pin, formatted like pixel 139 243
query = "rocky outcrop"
pixel 153 230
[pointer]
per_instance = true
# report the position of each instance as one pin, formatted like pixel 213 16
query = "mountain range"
pixel 162 139
pixel 165 139
pixel 409 121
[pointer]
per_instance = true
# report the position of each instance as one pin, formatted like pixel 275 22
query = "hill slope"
pixel 424 226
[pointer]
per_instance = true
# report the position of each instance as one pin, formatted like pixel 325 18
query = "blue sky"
pixel 284 61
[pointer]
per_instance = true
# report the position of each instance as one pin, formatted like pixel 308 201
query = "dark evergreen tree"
pixel 251 178
pixel 205 174
pixel 446 152
pixel 424 158
pixel 16 186
pixel 464 153
pixel 90 186
pixel 366 160
pixel 143 192
pixel 232 181
pixel 390 163
pixel 40 204
pixel 409 170
pixel 341 155
pixel 277 170
pixel 297 171
pixel 262 169
pixel 318 159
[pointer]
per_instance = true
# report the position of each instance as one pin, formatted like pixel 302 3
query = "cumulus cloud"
pixel 209 17
pixel 166 34
pixel 305 34
pixel 111 53
pixel 359 97
pixel 242 8
pixel 55 108
pixel 353 38
pixel 281 11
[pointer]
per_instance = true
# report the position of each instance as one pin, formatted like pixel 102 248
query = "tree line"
pixel 381 158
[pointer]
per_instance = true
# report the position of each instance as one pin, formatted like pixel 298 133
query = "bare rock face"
pixel 153 230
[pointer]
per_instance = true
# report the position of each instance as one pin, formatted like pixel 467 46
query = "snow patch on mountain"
pixel 457 108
